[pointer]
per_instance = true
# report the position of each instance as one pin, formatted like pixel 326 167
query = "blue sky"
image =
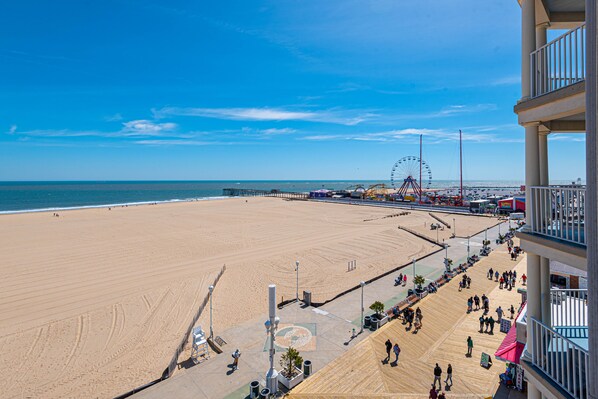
pixel 335 89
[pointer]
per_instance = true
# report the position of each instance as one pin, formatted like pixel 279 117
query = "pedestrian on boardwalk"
pixel 442 395
pixel 481 319
pixel 490 274
pixel 468 282
pixel 460 285
pixel 512 310
pixel 388 348
pixel 469 346
pixel 449 375
pixel 496 274
pixel 491 321
pixel 502 281
pixel 469 304
pixel 476 299
pixel 487 323
pixel 236 356
pixel 523 278
pixel 433 394
pixel 404 280
pixel 437 374
pixel 499 313
pixel 397 351
pixel 515 273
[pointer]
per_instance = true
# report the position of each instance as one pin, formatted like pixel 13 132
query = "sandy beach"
pixel 94 302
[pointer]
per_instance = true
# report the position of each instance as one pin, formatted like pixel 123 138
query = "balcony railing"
pixel 569 307
pixel 559 63
pixel 559 358
pixel 558 212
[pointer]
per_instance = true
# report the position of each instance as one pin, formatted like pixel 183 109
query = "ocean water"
pixel 35 196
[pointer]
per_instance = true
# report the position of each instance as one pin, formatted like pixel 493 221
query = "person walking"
pixel 442 395
pixel 388 345
pixel 487 322
pixel 449 375
pixel 496 274
pixel 523 278
pixel 469 346
pixel 502 280
pixel 499 313
pixel 491 322
pixel 404 280
pixel 512 310
pixel 490 274
pixel 468 282
pixel 469 304
pixel 236 355
pixel 481 319
pixel 397 352
pixel 433 393
pixel 437 374
pixel 476 299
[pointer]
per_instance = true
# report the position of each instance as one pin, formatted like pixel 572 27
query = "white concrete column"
pixel 591 210
pixel 541 34
pixel 534 300
pixel 543 158
pixel 528 43
pixel 532 168
pixel 545 290
pixel 533 392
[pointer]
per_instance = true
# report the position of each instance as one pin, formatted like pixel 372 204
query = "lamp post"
pixel 211 288
pixel 499 228
pixel 362 285
pixel 437 233
pixel 467 249
pixel 454 228
pixel 413 274
pixel 297 291
pixel 486 235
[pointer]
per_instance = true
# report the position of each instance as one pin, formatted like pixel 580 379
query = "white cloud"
pixel 114 118
pixel 575 137
pixel 144 127
pixel 269 114
pixel 507 80
pixel 12 129
pixel 274 131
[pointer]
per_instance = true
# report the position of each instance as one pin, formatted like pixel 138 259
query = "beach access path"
pixel 324 333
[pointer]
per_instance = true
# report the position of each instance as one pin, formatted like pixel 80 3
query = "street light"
pixel 468 249
pixel 413 274
pixel 211 288
pixel 454 228
pixel 297 291
pixel 362 285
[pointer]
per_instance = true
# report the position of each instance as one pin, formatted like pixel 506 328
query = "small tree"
pixel 419 281
pixel 377 307
pixel 290 361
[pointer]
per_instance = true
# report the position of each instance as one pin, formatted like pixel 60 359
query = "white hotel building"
pixel 558 95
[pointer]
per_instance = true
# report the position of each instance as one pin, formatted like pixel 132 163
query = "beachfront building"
pixel 558 84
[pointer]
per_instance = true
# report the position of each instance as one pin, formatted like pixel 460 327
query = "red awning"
pixel 510 350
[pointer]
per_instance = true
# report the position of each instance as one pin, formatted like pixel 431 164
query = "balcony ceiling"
pixel 565 5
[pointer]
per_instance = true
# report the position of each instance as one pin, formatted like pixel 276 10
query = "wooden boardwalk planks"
pixel 446 326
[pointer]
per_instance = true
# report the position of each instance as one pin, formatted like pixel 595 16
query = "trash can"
pixel 367 321
pixel 306 368
pixel 307 298
pixel 265 393
pixel 254 389
pixel 373 323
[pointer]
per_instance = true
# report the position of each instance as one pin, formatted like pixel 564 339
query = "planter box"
pixel 293 382
pixel 383 321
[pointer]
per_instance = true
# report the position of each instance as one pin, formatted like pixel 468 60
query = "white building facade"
pixel 558 95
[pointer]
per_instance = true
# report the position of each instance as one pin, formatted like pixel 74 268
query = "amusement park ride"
pixel 405 186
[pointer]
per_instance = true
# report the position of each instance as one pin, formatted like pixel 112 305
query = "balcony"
pixel 558 212
pixel 560 352
pixel 560 63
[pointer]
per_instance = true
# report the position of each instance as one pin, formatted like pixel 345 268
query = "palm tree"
pixel 419 281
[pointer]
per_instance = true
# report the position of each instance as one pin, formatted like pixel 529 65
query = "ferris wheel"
pixel 405 173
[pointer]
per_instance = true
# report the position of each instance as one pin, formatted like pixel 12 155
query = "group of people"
pixel 401 280
pixel 413 318
pixel 394 348
pixel 476 300
pixel 508 280
pixel 515 252
pixel 465 282
pixel 438 378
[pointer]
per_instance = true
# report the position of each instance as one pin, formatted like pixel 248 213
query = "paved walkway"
pixel 321 335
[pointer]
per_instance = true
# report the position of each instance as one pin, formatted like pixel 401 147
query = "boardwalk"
pixel 442 340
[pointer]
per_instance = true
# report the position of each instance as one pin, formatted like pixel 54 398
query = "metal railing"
pixel 569 307
pixel 558 212
pixel 559 63
pixel 563 361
